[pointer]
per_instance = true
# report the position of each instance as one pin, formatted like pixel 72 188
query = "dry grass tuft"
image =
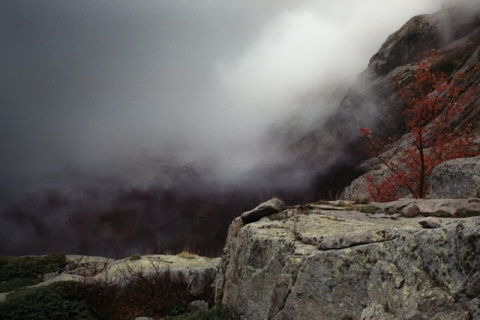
pixel 187 255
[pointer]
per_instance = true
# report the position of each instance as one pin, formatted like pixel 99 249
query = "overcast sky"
pixel 96 84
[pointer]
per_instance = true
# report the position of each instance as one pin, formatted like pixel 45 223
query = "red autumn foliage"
pixel 434 103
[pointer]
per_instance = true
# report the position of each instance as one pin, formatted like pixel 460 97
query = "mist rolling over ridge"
pixel 130 125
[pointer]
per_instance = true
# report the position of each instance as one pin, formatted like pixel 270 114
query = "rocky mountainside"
pixel 372 100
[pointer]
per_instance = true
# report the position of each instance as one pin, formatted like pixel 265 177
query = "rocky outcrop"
pixel 458 178
pixel 195 271
pixel 333 261
pixel 198 272
pixel 420 34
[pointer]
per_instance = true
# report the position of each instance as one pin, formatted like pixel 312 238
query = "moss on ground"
pixel 216 313
pixel 467 213
pixel 368 209
pixel 392 210
pixel 441 214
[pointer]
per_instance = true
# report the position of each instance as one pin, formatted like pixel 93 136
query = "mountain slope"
pixel 372 100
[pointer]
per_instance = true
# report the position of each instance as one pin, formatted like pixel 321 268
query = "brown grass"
pixel 187 255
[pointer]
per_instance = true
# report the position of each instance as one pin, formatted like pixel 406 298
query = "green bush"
pixel 16 283
pixel 57 301
pixel 17 272
pixel 216 313
pixel 135 256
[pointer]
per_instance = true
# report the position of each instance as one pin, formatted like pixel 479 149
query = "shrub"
pixel 60 300
pixel 153 295
pixel 135 256
pixel 17 272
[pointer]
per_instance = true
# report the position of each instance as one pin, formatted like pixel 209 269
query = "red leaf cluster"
pixel 435 102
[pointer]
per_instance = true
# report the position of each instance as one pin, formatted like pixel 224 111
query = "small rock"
pixel 262 210
pixel 197 305
pixel 457 178
pixel 471 200
pixel 394 216
pixel 235 227
pixel 411 211
pixel 431 223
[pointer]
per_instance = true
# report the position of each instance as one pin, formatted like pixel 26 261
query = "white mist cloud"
pixel 302 50
pixel 313 46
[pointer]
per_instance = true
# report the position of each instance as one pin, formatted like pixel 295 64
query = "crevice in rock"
pixel 354 245
pixel 284 302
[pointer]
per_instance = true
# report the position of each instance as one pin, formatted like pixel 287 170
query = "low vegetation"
pixel 57 301
pixel 154 295
pixel 216 313
pixel 135 256
pixel 79 301
pixel 17 272
pixel 187 255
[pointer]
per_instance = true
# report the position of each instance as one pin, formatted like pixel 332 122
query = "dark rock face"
pixel 371 102
pixel 334 149
pixel 458 178
pixel 403 47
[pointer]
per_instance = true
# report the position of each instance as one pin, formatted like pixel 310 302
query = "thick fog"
pixel 112 92
pixel 100 84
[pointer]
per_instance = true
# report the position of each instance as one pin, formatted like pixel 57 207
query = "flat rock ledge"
pixel 333 261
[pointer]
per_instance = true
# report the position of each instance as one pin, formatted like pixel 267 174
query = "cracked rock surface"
pixel 316 262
